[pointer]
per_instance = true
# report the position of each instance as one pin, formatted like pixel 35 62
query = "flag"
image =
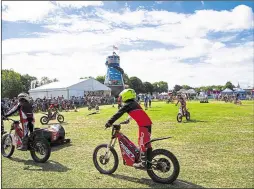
pixel 115 48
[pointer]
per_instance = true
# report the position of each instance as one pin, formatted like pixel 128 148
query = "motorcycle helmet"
pixel 127 94
pixel 23 96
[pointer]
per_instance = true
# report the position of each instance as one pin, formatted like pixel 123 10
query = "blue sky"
pixel 195 43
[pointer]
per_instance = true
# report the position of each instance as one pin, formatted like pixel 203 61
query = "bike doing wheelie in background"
pixel 183 111
pixel 45 119
pixel 164 166
pixel 181 114
pixel 39 148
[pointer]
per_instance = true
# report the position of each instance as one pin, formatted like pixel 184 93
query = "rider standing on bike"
pixel 135 111
pixel 183 104
pixel 26 116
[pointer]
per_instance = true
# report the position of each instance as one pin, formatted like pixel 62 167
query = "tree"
pixel 55 80
pixel 177 88
pixel 89 77
pixel 148 87
pixel 160 86
pixel 26 82
pixel 186 87
pixel 136 84
pixel 155 87
pixel 101 79
pixel 229 85
pixel 126 79
pixel 11 83
pixel 163 86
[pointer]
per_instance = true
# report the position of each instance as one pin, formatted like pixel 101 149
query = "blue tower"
pixel 114 76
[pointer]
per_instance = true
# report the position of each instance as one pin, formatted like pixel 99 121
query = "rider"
pixel 26 116
pixel 2 115
pixel 135 111
pixel 183 104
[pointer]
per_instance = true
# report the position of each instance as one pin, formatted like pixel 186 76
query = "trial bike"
pixel 45 119
pixel 39 147
pixel 182 114
pixel 163 169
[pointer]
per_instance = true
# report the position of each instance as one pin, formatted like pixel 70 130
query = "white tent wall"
pixel 57 93
pixel 76 93
pixel 48 94
pixel 36 95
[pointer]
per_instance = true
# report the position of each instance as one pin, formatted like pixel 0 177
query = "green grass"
pixel 215 149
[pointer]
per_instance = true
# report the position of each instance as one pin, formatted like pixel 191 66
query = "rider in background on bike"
pixel 183 104
pixel 26 117
pixel 2 117
pixel 135 111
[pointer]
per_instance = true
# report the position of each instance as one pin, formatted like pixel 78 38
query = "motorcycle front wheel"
pixel 165 167
pixel 105 164
pixel 179 117
pixel 7 147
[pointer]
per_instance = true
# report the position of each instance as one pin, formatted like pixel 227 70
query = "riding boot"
pixel 142 163
pixel 149 158
pixel 24 145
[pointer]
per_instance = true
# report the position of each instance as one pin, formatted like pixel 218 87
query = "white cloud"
pixel 78 4
pixel 75 51
pixel 34 11
pixel 26 10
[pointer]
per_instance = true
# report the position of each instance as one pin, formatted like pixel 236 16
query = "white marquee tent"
pixel 69 88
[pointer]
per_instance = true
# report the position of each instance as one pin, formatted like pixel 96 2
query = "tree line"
pixel 205 88
pixel 139 86
pixel 14 83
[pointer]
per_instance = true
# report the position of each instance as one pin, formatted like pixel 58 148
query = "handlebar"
pixel 118 126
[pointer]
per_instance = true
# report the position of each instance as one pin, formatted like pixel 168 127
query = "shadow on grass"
pixel 195 121
pixel 64 123
pixel 50 166
pixel 151 184
pixel 56 147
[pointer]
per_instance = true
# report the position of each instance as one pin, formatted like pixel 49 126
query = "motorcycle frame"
pixel 125 151
pixel 16 137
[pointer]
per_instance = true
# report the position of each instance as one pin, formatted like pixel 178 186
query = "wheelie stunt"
pixel 20 138
pixel 182 110
pixel 49 116
pixel 144 157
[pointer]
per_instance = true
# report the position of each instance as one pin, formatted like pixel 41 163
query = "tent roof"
pixel 68 83
pixel 191 91
pixel 227 90
pixel 239 90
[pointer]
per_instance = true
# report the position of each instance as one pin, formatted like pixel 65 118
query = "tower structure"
pixel 114 75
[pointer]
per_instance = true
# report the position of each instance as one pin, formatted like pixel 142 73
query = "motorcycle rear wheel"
pixel 163 165
pixel 41 146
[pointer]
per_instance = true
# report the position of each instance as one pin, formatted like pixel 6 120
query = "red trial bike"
pixel 38 146
pixel 165 167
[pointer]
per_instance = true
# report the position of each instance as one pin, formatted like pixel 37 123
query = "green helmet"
pixel 128 94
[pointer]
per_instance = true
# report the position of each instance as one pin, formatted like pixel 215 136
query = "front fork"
pixel 110 145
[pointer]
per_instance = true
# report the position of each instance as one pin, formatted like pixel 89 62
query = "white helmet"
pixel 23 96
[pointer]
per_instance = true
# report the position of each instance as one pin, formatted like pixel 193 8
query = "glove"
pixel 108 125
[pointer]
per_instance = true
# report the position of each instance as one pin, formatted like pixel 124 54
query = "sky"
pixel 193 43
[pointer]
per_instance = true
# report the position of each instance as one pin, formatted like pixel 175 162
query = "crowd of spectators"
pixel 60 102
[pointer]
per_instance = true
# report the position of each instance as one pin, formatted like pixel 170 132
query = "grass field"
pixel 215 149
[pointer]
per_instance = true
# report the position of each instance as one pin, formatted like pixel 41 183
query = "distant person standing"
pixel 150 100
pixel 146 99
